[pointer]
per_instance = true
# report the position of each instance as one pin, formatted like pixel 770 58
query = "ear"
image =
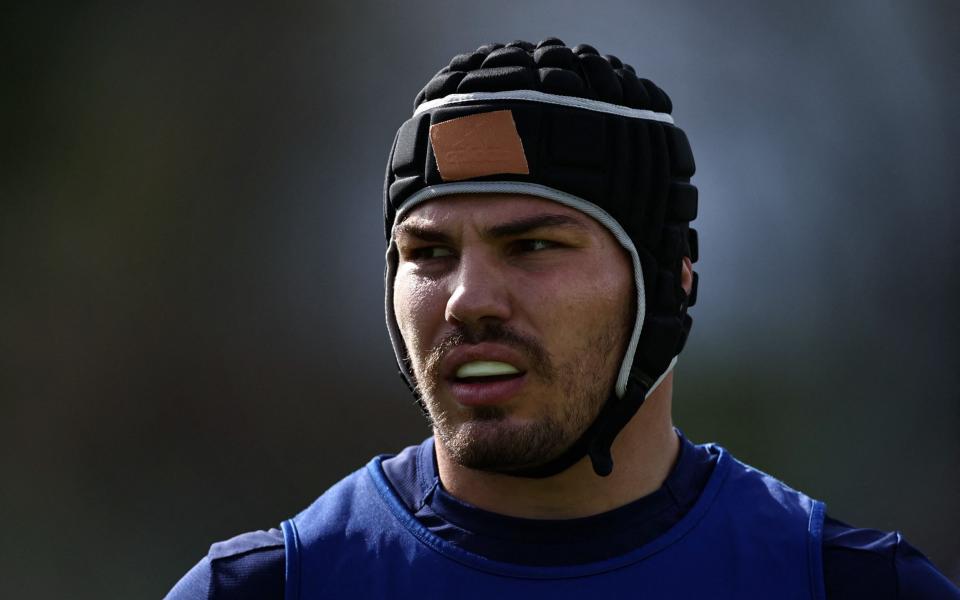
pixel 686 275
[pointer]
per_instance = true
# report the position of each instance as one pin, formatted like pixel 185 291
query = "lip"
pixel 483 393
pixel 489 393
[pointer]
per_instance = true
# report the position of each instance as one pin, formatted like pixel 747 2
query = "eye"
pixel 428 252
pixel 535 245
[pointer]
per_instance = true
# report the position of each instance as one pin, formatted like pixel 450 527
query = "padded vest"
pixel 747 536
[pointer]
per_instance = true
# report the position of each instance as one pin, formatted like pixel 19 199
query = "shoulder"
pixel 364 500
pixel 857 562
pixel 253 564
pixel 867 563
pixel 250 565
pixel 770 498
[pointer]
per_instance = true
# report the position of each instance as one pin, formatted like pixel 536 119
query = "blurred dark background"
pixel 191 257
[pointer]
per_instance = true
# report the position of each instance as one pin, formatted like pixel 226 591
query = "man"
pixel 539 271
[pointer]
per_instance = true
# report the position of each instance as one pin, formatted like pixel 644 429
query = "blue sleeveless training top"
pixel 747 536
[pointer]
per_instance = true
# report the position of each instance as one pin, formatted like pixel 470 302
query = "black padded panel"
pixel 693 243
pixel 411 146
pixel 443 85
pixel 671 248
pixel 550 41
pixel 560 57
pixel 681 158
pixel 619 164
pixel 659 101
pixel 467 62
pixel 585 49
pixel 574 180
pixel 488 48
pixel 683 202
pixel 561 81
pixel 405 186
pixel 657 184
pixel 634 94
pixel 507 57
pixel 522 44
pixel 659 332
pixel 640 150
pixel 498 78
pixel 666 290
pixel 580 141
pixel 601 78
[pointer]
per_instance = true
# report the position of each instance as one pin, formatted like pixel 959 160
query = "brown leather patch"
pixel 478 145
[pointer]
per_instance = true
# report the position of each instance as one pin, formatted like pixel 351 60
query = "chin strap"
pixel 597 440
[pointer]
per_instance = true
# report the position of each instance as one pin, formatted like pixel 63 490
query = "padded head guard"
pixel 568 125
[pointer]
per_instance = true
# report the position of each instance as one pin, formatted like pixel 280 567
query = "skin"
pixel 473 266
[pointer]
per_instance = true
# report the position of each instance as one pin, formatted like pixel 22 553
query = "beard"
pixel 489 438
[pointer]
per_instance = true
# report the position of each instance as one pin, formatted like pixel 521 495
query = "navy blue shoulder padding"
pixel 247 566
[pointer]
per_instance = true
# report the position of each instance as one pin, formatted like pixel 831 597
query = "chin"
pixel 501 444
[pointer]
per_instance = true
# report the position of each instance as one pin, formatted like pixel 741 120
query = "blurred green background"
pixel 191 258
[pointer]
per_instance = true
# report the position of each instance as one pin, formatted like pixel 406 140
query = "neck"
pixel 644 453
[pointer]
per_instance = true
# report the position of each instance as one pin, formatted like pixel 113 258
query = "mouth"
pixel 486 382
pixel 485 374
pixel 485 371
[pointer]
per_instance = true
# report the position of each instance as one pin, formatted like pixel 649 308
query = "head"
pixel 530 353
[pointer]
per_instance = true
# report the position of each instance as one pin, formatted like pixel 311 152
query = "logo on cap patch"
pixel 478 145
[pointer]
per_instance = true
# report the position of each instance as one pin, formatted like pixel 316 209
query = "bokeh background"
pixel 191 330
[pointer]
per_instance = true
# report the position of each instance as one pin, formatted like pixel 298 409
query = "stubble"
pixel 487 438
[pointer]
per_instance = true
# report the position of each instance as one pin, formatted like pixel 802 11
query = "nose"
pixel 480 291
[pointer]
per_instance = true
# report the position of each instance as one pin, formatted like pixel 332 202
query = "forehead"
pixel 490 209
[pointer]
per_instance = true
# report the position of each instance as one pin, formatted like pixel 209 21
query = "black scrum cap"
pixel 581 129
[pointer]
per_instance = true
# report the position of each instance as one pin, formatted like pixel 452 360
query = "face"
pixel 516 313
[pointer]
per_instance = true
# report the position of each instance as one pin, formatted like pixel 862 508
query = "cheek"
pixel 595 286
pixel 619 294
pixel 599 297
pixel 419 308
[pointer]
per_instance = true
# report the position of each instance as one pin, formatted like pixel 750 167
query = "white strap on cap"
pixel 544 98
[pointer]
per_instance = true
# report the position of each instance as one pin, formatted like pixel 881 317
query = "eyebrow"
pixel 503 230
pixel 522 226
